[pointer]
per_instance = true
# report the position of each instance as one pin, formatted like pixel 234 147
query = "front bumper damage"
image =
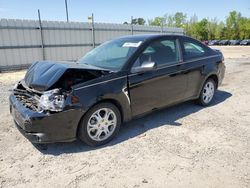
pixel 42 127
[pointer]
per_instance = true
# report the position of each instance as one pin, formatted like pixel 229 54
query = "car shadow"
pixel 164 117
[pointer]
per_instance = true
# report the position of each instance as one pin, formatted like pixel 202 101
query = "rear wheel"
pixel 100 124
pixel 207 92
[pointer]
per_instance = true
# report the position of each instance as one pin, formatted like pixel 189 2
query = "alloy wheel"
pixel 208 92
pixel 101 124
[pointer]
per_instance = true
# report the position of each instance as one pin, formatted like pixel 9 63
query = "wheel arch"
pixel 112 101
pixel 214 76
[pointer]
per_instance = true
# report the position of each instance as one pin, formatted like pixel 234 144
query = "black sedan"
pixel 223 42
pixel 120 80
pixel 234 42
pixel 245 42
pixel 213 42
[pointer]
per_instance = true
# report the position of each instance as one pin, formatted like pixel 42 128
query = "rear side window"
pixel 192 50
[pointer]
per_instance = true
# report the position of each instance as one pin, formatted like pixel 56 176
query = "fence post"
pixel 162 26
pixel 66 7
pixel 132 29
pixel 41 33
pixel 93 30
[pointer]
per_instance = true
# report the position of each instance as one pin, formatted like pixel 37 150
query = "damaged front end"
pixel 43 105
pixel 49 101
pixel 47 86
pixel 52 100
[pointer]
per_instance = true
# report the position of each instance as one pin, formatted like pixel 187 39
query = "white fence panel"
pixel 21 41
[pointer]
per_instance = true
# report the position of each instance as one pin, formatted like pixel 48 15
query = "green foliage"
pixel 157 21
pixel 212 26
pixel 244 28
pixel 138 21
pixel 176 20
pixel 179 19
pixel 234 27
pixel 201 29
pixel 232 24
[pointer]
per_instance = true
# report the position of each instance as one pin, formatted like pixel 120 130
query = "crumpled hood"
pixel 43 74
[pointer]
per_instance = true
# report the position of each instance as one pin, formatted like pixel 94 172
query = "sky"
pixel 119 11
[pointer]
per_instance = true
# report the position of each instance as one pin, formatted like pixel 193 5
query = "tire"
pixel 207 93
pixel 96 127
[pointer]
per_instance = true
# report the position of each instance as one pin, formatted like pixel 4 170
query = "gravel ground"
pixel 182 146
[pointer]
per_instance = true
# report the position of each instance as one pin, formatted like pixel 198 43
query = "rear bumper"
pixel 45 128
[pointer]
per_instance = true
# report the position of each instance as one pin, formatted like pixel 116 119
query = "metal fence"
pixel 25 41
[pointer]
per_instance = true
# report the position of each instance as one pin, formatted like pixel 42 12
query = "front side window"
pixel 111 55
pixel 161 52
pixel 192 50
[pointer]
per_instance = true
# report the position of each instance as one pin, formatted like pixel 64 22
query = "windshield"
pixel 111 55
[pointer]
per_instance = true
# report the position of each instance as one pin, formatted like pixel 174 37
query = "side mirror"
pixel 145 66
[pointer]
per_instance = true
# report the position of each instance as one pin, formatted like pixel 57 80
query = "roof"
pixel 146 36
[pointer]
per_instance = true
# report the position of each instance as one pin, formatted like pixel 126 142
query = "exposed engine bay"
pixel 73 77
pixel 56 97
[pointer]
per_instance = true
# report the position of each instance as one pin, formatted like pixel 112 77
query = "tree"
pixel 138 21
pixel 211 27
pixel 247 28
pixel 235 26
pixel 169 20
pixel 190 26
pixel 157 21
pixel 176 20
pixel 232 24
pixel 244 28
pixel 202 29
pixel 179 19
pixel 222 32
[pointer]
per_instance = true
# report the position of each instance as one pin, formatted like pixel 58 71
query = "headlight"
pixel 52 101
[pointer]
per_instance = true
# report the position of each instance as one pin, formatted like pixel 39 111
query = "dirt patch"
pixel 182 146
pixel 234 51
pixel 7 81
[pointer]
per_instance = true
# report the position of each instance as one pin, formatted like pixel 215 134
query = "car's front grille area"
pixel 27 101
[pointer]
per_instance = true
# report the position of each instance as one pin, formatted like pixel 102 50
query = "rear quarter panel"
pixel 213 66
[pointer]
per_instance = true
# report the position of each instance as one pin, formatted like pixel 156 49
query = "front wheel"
pixel 207 93
pixel 100 124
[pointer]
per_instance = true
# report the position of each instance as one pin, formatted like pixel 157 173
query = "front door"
pixel 160 87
